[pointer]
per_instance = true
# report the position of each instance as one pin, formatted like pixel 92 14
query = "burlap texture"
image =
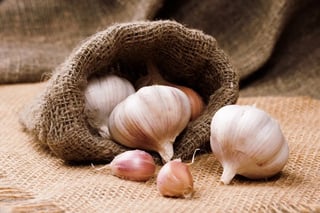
pixel 185 56
pixel 275 45
pixel 32 180
pixel 37 35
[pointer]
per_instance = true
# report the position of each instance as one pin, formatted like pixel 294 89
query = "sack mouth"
pixel 184 56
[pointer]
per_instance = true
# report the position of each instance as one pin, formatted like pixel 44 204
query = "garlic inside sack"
pixel 247 141
pixel 154 78
pixel 175 180
pixel 151 119
pixel 196 102
pixel 102 94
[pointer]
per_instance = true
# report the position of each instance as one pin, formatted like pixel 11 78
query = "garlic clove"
pixel 101 96
pixel 136 165
pixel 151 119
pixel 247 141
pixel 196 102
pixel 175 180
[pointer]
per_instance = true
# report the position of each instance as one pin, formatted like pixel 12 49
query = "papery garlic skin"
pixel 151 119
pixel 102 94
pixel 247 141
pixel 136 165
pixel 154 78
pixel 175 180
pixel 196 102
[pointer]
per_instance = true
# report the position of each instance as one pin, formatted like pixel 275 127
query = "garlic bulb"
pixel 154 78
pixel 101 96
pixel 247 141
pixel 151 119
pixel 136 165
pixel 175 180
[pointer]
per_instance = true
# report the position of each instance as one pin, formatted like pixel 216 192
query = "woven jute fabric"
pixel 185 56
pixel 33 180
pixel 275 45
pixel 36 35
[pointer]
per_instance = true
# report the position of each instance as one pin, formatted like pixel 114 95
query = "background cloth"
pixel 275 46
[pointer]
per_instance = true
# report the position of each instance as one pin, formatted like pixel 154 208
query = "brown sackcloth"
pixel 32 180
pixel 185 56
pixel 36 35
pixel 275 45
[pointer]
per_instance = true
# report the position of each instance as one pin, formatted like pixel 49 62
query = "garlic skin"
pixel 154 78
pixel 196 102
pixel 247 141
pixel 151 119
pixel 135 165
pixel 101 96
pixel 175 180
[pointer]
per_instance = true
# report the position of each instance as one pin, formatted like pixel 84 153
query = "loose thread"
pixel 98 169
pixel 193 156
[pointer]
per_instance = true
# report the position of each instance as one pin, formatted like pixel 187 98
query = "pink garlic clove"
pixel 175 180
pixel 136 165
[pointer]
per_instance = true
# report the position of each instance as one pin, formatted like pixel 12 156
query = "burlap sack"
pixel 185 56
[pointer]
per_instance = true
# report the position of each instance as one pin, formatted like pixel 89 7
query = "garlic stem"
pixel 104 131
pixel 166 151
pixel 194 155
pixel 154 74
pixel 228 174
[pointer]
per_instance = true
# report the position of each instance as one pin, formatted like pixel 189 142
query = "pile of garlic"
pixel 150 118
pixel 244 139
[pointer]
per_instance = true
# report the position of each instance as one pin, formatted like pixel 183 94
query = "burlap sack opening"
pixel 185 56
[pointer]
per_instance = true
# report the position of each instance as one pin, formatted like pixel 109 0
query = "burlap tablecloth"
pixel 32 180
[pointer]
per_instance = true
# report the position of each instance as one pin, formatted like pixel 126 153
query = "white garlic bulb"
pixel 154 78
pixel 102 94
pixel 151 119
pixel 247 141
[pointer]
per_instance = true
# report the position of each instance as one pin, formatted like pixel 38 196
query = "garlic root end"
pixel 107 166
pixel 227 175
pixel 166 151
pixel 188 193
